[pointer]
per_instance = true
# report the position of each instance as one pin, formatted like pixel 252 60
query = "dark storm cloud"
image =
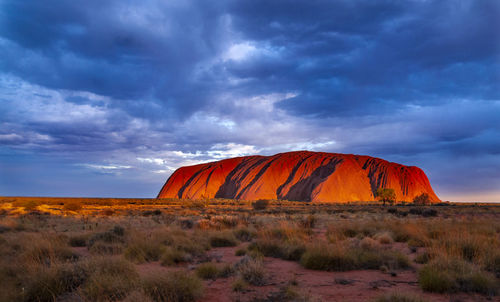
pixel 127 88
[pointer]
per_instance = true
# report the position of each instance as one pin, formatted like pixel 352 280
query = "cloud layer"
pixel 108 98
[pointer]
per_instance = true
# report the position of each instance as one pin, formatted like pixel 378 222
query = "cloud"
pixel 155 85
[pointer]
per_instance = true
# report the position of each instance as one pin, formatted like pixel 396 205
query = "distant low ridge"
pixel 298 176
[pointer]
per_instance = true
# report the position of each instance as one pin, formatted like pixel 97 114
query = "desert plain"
pixel 98 249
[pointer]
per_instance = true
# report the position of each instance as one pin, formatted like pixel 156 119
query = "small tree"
pixel 422 199
pixel 386 195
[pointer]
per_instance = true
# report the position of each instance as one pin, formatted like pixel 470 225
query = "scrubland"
pixel 56 249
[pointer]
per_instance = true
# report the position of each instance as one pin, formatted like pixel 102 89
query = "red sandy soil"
pixel 366 284
pixel 363 285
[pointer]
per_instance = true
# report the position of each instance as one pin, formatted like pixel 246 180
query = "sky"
pixel 108 98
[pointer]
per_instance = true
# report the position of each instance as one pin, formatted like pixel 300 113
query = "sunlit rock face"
pixel 298 176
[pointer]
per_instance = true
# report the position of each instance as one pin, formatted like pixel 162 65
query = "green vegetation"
pixel 386 195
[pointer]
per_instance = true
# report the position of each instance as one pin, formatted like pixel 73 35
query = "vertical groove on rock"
pixel 230 186
pixel 183 188
pixel 259 174
pixel 291 176
pixel 299 176
pixel 303 189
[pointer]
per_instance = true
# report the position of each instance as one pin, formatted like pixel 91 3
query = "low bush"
pixel 172 256
pixel 433 279
pixel 424 257
pixel 416 211
pixel 260 204
pixel 222 239
pixel 172 286
pixel 45 250
pixel 47 283
pixel 143 250
pixel 429 213
pixel 384 238
pixel 239 285
pixel 328 258
pixel 186 223
pixel 226 271
pixel 492 264
pixel 207 270
pixel 339 258
pixel 451 275
pixel 114 235
pixel 244 234
pixel 279 248
pixel 78 240
pixel 251 270
pixel 392 210
pixel 109 278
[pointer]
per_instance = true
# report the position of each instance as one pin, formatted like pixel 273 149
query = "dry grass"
pixel 50 250
pixel 172 287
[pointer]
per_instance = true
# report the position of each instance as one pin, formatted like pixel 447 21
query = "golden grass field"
pixel 86 249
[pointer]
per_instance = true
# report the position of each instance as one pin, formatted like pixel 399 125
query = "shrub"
pixel 118 230
pixel 416 211
pixel 243 234
pixel 392 210
pixel 142 250
pixel 112 236
pixel 384 238
pixel 110 278
pixel 374 259
pixel 339 258
pixel 207 270
pixel 327 258
pixel 46 283
pixel 429 213
pixel 46 250
pixel 222 239
pixel 186 223
pixel 226 271
pixel 251 270
pixel 172 256
pixel 279 249
pixel 172 286
pixel 368 243
pixel 422 199
pixel 260 204
pixel 424 257
pixel 450 275
pixel 433 279
pixel 479 282
pixel 78 240
pixel 239 285
pixel 492 264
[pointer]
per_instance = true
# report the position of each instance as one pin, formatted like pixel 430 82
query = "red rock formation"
pixel 299 176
